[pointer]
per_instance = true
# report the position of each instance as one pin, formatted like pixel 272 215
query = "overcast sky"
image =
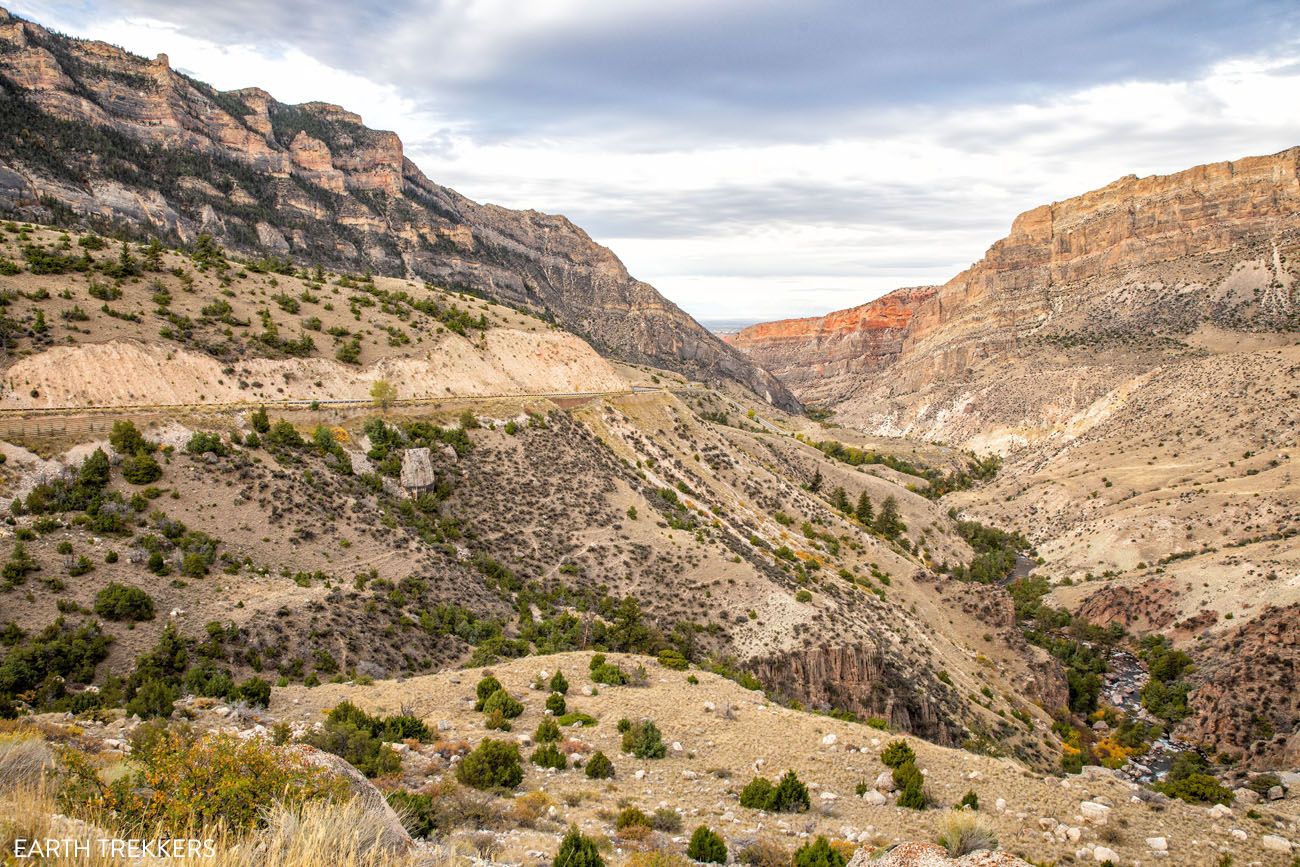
pixel 758 159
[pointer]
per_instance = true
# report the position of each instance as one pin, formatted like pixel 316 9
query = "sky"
pixel 756 159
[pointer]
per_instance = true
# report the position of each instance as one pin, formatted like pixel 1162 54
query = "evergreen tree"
pixel 840 500
pixel 577 851
pixel 816 484
pixel 864 511
pixel 888 522
pixel 706 847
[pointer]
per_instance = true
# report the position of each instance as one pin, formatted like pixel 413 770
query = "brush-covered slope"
pixel 92 134
pixel 529 497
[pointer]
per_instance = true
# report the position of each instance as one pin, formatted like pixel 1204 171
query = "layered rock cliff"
pixel 94 135
pixel 812 355
pixel 1140 257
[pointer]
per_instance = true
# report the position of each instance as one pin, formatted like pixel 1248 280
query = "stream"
pixel 1122 687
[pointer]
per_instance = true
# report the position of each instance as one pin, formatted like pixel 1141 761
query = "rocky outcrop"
pixel 1110 268
pixel 392 835
pixel 869 682
pixel 1245 700
pixel 313 182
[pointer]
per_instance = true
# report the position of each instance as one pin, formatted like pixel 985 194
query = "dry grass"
pixel 962 832
pixel 317 834
pixel 24 759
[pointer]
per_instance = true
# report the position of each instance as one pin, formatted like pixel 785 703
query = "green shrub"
pixel 141 469
pixel 548 755
pixel 154 697
pixel 389 728
pixel 644 741
pixel 355 744
pixel 757 794
pixel 673 658
pixel 624 725
pixel 119 602
pixel 547 731
pixel 555 704
pixel 970 799
pixel 911 785
pixel 577 851
pixel 596 661
pixel 790 795
pixel 818 853
pixel 506 703
pixel 897 753
pixel 707 847
pixel 255 691
pixel 494 765
pixel 559 683
pixel 202 442
pixel 631 816
pixel 599 767
pixel 485 688
pixel 610 674
pixel 1196 788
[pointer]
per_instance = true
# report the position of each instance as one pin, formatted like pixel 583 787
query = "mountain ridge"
pixel 170 155
pixel 1062 269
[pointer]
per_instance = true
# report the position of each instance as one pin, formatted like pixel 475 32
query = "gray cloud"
pixel 739 70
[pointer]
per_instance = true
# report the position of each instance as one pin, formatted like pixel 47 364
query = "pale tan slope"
pixel 1199 455
pixel 124 373
pixel 719 755
pixel 110 353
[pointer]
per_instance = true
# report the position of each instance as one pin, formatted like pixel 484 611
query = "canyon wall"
pixel 93 135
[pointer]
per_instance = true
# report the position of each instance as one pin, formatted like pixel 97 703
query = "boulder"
pixel 1276 793
pixel 874 798
pixel 1101 853
pixel 1274 843
pixel 884 782
pixel 1158 844
pixel 417 470
pixel 1245 796
pixel 1094 812
pixel 395 837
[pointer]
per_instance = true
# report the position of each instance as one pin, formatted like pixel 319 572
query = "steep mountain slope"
pixel 1079 298
pixel 1133 353
pixel 92 134
pixel 524 496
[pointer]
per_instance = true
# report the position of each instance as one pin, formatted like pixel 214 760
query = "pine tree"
pixel 888 522
pixel 840 500
pixel 816 484
pixel 864 511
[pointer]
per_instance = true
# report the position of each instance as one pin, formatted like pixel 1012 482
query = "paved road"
pixel 296 403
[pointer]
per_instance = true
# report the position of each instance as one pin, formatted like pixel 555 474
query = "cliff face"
pixel 1162 255
pixel 820 356
pixel 92 134
pixel 1245 700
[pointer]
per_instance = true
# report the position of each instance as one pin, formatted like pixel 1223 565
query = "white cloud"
pixel 923 192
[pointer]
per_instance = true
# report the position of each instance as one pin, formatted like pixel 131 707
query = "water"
pixel 1122 687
